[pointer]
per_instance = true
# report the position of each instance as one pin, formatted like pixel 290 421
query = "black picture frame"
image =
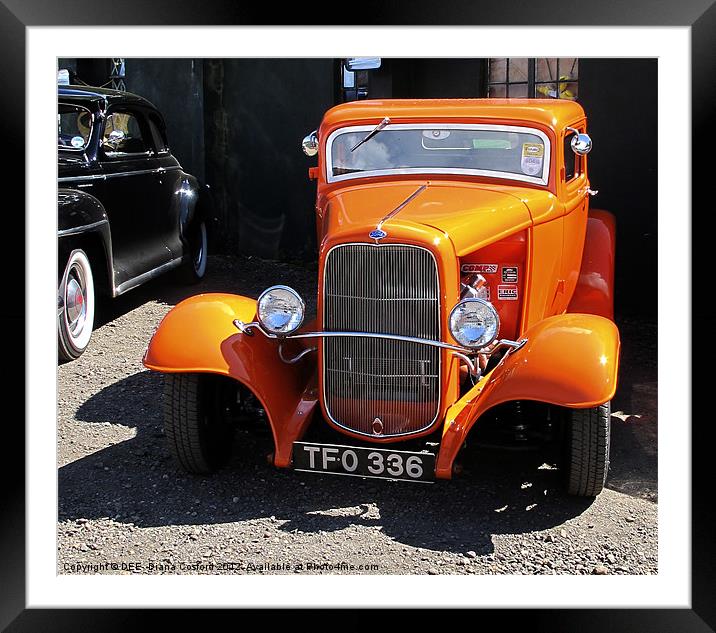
pixel 700 15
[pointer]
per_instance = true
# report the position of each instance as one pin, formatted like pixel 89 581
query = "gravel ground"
pixel 124 507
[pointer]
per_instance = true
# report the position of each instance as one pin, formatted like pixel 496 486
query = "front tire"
pixel 76 306
pixel 196 256
pixel 587 443
pixel 198 430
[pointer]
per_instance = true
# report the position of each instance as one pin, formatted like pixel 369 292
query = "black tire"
pixel 587 440
pixel 196 256
pixel 198 432
pixel 76 306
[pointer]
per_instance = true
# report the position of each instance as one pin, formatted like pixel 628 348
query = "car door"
pixel 131 196
pixel 174 191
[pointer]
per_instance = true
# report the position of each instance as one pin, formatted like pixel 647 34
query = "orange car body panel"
pixel 198 336
pixel 468 223
pixel 594 292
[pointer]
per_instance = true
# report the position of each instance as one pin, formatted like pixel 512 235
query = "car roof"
pixel 552 113
pixel 92 94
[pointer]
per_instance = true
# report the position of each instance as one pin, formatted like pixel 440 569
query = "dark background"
pixel 237 124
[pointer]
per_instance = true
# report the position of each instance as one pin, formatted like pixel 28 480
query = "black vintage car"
pixel 127 211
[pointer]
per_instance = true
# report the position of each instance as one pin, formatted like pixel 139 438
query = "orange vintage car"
pixel 461 273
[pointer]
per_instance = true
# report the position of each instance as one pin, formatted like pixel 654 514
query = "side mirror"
pixel 310 144
pixel 114 139
pixel 362 63
pixel 581 144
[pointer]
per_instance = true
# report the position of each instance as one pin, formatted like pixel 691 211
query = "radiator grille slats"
pixel 389 289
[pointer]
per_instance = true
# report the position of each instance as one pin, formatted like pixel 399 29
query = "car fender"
pixel 570 360
pixel 193 200
pixel 198 336
pixel 80 214
pixel 594 293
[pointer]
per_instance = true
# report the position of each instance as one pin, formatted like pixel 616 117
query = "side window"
pixel 572 161
pixel 74 125
pixel 159 138
pixel 123 135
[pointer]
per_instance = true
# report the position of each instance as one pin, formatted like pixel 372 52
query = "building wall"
pixel 175 87
pixel 257 113
pixel 620 98
pixel 416 78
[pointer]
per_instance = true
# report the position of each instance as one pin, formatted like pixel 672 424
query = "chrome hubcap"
pixel 75 301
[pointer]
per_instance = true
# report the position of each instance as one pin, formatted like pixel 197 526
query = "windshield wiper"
pixel 371 134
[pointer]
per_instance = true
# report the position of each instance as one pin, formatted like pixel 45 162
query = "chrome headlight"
pixel 280 310
pixel 474 323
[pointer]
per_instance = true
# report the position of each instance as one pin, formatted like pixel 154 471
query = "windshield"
pixel 74 124
pixel 517 153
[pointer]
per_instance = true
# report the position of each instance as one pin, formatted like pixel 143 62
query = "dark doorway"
pixel 620 97
pixel 257 111
pixel 421 78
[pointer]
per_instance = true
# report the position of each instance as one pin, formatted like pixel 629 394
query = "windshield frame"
pixel 501 175
pixel 84 148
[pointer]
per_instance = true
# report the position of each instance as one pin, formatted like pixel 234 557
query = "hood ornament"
pixel 378 233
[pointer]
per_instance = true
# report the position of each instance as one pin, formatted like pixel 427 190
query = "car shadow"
pixel 136 481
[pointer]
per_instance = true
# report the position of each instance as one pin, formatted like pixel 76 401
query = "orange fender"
pixel 594 293
pixel 569 360
pixel 198 335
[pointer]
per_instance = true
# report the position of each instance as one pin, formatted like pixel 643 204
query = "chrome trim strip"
pixel 248 329
pixel 81 229
pixel 144 277
pixel 140 172
pixel 427 170
pixel 468 361
pixel 392 337
pixel 82 178
pixel 401 206
pixel 129 155
pixel 515 345
pixel 295 359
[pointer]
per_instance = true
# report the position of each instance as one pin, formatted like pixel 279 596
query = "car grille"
pixel 387 289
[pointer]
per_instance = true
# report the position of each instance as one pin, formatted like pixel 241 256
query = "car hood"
pixel 470 215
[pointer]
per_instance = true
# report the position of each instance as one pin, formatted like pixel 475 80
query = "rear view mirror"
pixel 362 63
pixel 581 142
pixel 310 144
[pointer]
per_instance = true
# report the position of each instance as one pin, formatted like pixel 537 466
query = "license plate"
pixel 363 462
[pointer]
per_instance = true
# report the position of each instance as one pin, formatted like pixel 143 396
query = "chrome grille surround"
pixel 386 289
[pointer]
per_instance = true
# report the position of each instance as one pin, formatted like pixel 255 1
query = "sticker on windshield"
pixel 532 156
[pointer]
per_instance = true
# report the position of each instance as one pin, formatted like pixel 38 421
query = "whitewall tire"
pixel 197 253
pixel 75 307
